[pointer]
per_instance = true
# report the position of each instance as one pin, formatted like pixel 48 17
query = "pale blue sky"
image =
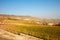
pixel 37 8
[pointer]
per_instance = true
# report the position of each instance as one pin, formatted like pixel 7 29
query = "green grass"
pixel 47 33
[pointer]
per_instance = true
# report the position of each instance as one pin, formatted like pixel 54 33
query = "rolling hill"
pixel 34 26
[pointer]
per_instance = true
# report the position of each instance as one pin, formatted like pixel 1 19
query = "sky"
pixel 36 8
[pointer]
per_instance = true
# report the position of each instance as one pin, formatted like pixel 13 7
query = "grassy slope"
pixel 41 31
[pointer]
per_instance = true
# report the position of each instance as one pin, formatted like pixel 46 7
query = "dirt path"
pixel 4 38
pixel 4 35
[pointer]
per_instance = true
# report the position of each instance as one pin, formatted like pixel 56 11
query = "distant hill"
pixel 30 19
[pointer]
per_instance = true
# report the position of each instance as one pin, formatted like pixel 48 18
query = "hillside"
pixel 31 25
pixel 29 19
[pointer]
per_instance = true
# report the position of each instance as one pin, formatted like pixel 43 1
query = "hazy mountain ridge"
pixel 29 19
